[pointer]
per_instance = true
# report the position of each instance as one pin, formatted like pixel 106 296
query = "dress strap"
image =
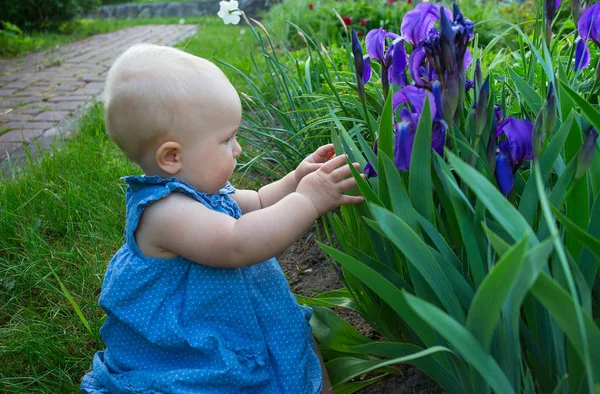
pixel 145 190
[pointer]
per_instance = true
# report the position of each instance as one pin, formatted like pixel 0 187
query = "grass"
pixel 64 215
pixel 117 2
pixel 61 221
pixel 14 46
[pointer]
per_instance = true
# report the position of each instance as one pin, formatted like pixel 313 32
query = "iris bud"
pixel 586 152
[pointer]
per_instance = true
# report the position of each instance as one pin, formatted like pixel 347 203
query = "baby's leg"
pixel 326 389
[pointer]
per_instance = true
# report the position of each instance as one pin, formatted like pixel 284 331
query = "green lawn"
pixel 60 223
pixel 20 45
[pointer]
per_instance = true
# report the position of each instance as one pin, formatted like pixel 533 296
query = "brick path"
pixel 39 91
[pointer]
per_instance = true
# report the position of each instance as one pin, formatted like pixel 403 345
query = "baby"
pixel 195 300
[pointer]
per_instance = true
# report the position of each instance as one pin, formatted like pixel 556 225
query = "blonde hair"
pixel 145 94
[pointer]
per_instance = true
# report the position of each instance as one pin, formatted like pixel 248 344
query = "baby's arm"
pixel 178 225
pixel 249 200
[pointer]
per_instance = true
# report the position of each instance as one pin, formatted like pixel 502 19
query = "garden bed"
pixel 309 272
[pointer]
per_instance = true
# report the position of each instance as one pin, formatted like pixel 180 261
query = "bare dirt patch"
pixel 309 272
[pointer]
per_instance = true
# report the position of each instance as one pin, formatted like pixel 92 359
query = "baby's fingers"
pixel 311 167
pixel 342 172
pixel 346 184
pixel 334 163
pixel 351 200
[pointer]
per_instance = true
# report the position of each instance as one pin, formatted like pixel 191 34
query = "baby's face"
pixel 211 148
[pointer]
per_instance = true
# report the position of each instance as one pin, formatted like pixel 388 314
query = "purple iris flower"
pixel 513 151
pixel 369 170
pixel 363 70
pixel 464 31
pixel 586 152
pixel 375 42
pixel 417 23
pixel 397 71
pixel 416 97
pixel 504 175
pixel 405 130
pixel 588 27
pixel 498 113
pixel 395 53
pixel 425 61
pixel 362 65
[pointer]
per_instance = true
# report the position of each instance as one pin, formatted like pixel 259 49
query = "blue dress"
pixel 175 326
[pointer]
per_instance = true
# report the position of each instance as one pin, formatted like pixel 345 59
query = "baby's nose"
pixel 237 150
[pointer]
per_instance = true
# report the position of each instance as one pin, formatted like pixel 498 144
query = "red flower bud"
pixel 311 6
pixel 347 20
pixel 390 2
pixel 363 21
pixel 409 1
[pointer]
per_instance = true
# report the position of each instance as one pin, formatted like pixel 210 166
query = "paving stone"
pixel 66 105
pixel 51 116
pixel 40 90
pixel 28 125
pixel 69 98
pixel 34 91
pixel 86 90
pixel 12 117
pixel 7 148
pixel 22 135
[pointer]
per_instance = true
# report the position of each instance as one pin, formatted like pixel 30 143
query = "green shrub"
pixel 46 14
pixel 321 23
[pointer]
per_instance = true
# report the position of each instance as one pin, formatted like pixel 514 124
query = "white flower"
pixel 182 21
pixel 229 12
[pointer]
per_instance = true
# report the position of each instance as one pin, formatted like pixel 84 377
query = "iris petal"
pixel 518 133
pixel 367 72
pixel 504 175
pixel 416 23
pixel 582 54
pixel 403 145
pixel 397 72
pixel 438 136
pixel 588 24
pixel 370 171
pixel 415 60
pixel 375 42
pixel 416 97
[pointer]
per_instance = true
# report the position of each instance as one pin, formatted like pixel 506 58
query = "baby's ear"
pixel 168 157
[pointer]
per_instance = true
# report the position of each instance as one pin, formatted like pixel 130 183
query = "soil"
pixel 309 273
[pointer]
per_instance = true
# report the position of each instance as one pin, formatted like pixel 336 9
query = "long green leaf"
pixel 504 212
pixel 464 343
pixel 420 186
pixel 593 244
pixel 343 369
pixel 386 125
pixel 529 199
pixel 487 303
pixel 562 258
pixel 353 387
pixel 588 262
pixel 386 290
pixel 415 250
pixel 463 212
pixel 511 311
pixel 532 98
pixel 399 197
pixel 588 109
pixel 560 305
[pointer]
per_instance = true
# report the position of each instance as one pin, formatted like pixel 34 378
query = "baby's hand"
pixel 325 187
pixel 314 161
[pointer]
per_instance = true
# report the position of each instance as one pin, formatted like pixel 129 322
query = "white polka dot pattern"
pixel 175 326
